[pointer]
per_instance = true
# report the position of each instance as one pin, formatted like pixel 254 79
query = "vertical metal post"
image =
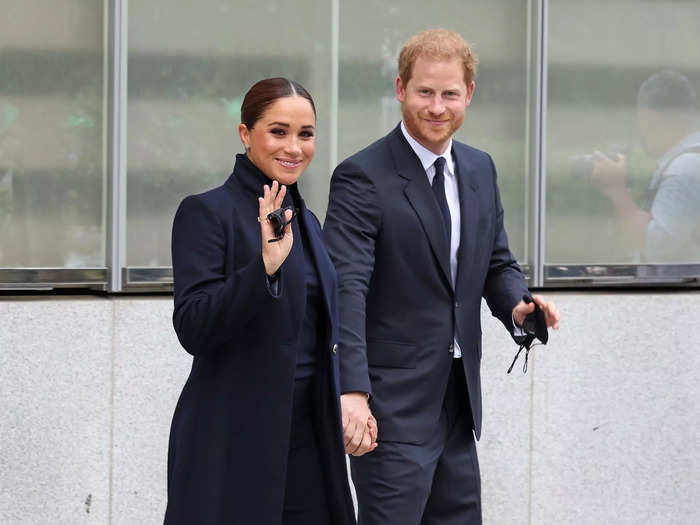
pixel 335 59
pixel 531 72
pixel 117 85
pixel 537 129
pixel 538 22
pixel 541 186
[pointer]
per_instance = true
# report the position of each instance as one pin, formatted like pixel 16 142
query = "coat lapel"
pixel 468 205
pixel 420 196
pixel 321 259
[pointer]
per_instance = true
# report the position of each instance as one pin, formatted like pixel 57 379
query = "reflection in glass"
pixel 623 147
pixel 496 121
pixel 666 224
pixel 190 65
pixel 51 134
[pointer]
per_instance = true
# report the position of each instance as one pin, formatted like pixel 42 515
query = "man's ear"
pixel 400 90
pixel 470 92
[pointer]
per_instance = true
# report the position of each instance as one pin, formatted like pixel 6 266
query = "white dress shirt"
pixel 427 159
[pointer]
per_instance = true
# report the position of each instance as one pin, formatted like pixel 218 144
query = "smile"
pixel 291 164
pixel 436 122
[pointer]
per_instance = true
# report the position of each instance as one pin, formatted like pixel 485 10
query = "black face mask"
pixel 278 222
pixel 535 327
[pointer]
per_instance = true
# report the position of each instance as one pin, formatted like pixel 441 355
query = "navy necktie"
pixel 439 191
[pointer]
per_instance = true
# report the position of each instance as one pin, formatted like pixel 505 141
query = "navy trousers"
pixel 432 483
pixel 305 501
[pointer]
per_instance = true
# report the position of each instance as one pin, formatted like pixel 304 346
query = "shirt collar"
pixel 427 157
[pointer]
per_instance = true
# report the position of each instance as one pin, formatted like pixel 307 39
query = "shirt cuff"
pixel 517 330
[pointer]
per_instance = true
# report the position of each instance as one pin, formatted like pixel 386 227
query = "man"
pixel 416 242
pixel 666 227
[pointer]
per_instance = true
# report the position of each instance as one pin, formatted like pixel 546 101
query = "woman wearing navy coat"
pixel 257 437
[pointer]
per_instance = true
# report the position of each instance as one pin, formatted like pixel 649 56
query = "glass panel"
pixel 496 121
pixel 190 64
pixel 623 78
pixel 52 173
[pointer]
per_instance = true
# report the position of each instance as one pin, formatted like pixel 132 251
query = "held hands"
pixel 551 314
pixel 359 426
pixel 274 253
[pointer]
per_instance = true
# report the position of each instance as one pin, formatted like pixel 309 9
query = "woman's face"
pixel 282 142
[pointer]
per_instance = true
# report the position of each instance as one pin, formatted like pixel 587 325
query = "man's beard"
pixel 420 130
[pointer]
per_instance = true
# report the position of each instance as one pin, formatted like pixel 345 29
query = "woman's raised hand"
pixel 274 253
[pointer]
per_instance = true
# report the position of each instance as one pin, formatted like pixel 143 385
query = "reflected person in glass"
pixel 257 436
pixel 666 226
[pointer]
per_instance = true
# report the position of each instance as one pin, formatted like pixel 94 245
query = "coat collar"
pixel 251 179
pixel 248 175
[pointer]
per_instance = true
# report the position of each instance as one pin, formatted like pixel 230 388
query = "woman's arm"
pixel 210 306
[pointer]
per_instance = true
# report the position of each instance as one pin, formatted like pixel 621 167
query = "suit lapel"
pixel 468 205
pixel 420 196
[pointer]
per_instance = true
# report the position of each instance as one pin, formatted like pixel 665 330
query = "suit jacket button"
pixel 335 348
pixel 451 348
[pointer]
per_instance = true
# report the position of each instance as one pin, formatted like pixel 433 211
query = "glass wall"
pixel 622 81
pixel 189 67
pixel 52 147
pixel 190 64
pixel 497 119
pixel 589 110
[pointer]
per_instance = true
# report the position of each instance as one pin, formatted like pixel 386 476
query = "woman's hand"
pixel 274 253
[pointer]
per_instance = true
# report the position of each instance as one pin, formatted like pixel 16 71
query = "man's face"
pixel 434 100
pixel 656 131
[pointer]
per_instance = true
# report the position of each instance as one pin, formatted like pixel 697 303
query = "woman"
pixel 256 437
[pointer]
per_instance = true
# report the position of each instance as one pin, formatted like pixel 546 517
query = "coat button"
pixel 451 348
pixel 335 349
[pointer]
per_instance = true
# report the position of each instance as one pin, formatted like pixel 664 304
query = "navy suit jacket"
pixel 229 438
pixel 399 311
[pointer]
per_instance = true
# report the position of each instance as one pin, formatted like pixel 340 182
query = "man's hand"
pixel 551 314
pixel 359 426
pixel 609 175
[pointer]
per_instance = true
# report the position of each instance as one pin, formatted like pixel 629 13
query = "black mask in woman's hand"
pixel 279 223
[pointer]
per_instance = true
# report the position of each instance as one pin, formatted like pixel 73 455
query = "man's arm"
pixel 505 284
pixel 352 223
pixel 610 176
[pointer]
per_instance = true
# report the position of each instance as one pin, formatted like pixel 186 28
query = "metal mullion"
pixel 538 188
pixel 116 255
pixel 335 58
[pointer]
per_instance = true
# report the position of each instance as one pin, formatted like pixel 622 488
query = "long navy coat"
pixel 230 433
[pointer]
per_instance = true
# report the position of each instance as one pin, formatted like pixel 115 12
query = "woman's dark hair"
pixel 264 93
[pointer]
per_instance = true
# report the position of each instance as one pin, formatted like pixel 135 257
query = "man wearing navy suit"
pixel 415 229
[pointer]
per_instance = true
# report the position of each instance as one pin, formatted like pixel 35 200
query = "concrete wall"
pixel 602 429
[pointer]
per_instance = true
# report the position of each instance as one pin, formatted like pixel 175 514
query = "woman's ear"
pixel 244 133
